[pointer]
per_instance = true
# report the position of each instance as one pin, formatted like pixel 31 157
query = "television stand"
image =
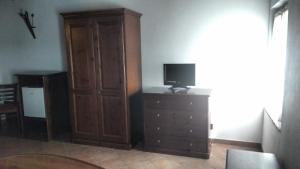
pixel 177 123
pixel 179 90
pixel 178 85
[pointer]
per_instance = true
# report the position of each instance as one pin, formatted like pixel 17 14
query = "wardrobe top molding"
pixel 115 11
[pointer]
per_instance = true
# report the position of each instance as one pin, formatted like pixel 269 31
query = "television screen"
pixel 179 75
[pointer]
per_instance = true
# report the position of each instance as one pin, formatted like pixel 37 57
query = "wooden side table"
pixel 44 99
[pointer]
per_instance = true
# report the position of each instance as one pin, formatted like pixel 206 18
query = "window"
pixel 276 65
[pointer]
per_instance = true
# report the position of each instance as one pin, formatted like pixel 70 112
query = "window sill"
pixel 275 122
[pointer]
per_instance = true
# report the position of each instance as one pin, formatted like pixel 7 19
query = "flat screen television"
pixel 179 75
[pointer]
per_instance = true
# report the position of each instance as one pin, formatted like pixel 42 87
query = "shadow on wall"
pixel 62 40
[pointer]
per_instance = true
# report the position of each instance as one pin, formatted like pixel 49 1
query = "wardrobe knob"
pixel 191 144
pixel 191 131
pixel 158 128
pixel 157 114
pixel 158 141
pixel 191 103
pixel 191 117
pixel 157 101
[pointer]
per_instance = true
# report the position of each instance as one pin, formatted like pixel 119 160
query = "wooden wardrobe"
pixel 104 58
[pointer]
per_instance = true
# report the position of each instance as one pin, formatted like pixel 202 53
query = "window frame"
pixel 274 13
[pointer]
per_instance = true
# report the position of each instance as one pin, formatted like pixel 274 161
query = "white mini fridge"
pixel 33 102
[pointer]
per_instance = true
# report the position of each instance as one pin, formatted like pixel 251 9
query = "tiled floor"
pixel 114 158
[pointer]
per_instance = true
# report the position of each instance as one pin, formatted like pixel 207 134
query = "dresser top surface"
pixel 165 90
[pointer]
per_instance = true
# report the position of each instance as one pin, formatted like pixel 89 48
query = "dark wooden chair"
pixel 9 103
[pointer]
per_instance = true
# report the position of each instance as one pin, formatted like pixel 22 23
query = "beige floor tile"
pixel 110 158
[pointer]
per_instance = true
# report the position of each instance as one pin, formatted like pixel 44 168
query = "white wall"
pixel 271 136
pixel 286 143
pixel 226 39
pixel 46 52
pixel 290 137
pixel 8 41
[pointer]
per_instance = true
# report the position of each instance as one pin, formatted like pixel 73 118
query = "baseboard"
pixel 194 154
pixel 238 143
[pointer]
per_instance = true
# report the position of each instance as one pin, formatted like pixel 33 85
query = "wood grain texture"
pixel 113 121
pixel 10 103
pixel 176 123
pixel 8 93
pixel 83 69
pixel 105 75
pixel 103 12
pixel 133 51
pixel 57 121
pixel 85 116
pixel 110 52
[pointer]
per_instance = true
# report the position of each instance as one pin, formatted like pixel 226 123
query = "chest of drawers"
pixel 177 123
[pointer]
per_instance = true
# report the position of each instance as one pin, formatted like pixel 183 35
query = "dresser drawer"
pixel 198 146
pixel 192 118
pixel 156 116
pixel 178 144
pixel 156 101
pixel 167 143
pixel 176 124
pixel 188 132
pixel 173 102
pixel 175 117
pixel 188 103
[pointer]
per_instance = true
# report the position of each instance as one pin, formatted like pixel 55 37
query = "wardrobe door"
pixel 82 75
pixel 114 127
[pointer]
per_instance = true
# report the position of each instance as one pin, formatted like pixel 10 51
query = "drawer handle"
pixel 191 131
pixel 158 115
pixel 191 117
pixel 191 103
pixel 158 128
pixel 191 144
pixel 158 141
pixel 157 101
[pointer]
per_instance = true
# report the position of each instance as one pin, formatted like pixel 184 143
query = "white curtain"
pixel 276 66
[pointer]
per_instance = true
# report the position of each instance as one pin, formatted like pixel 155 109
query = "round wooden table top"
pixel 43 161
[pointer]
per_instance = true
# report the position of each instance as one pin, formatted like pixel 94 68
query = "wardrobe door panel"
pixel 81 55
pixel 111 79
pixel 113 123
pixel 85 116
pixel 82 73
pixel 110 47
